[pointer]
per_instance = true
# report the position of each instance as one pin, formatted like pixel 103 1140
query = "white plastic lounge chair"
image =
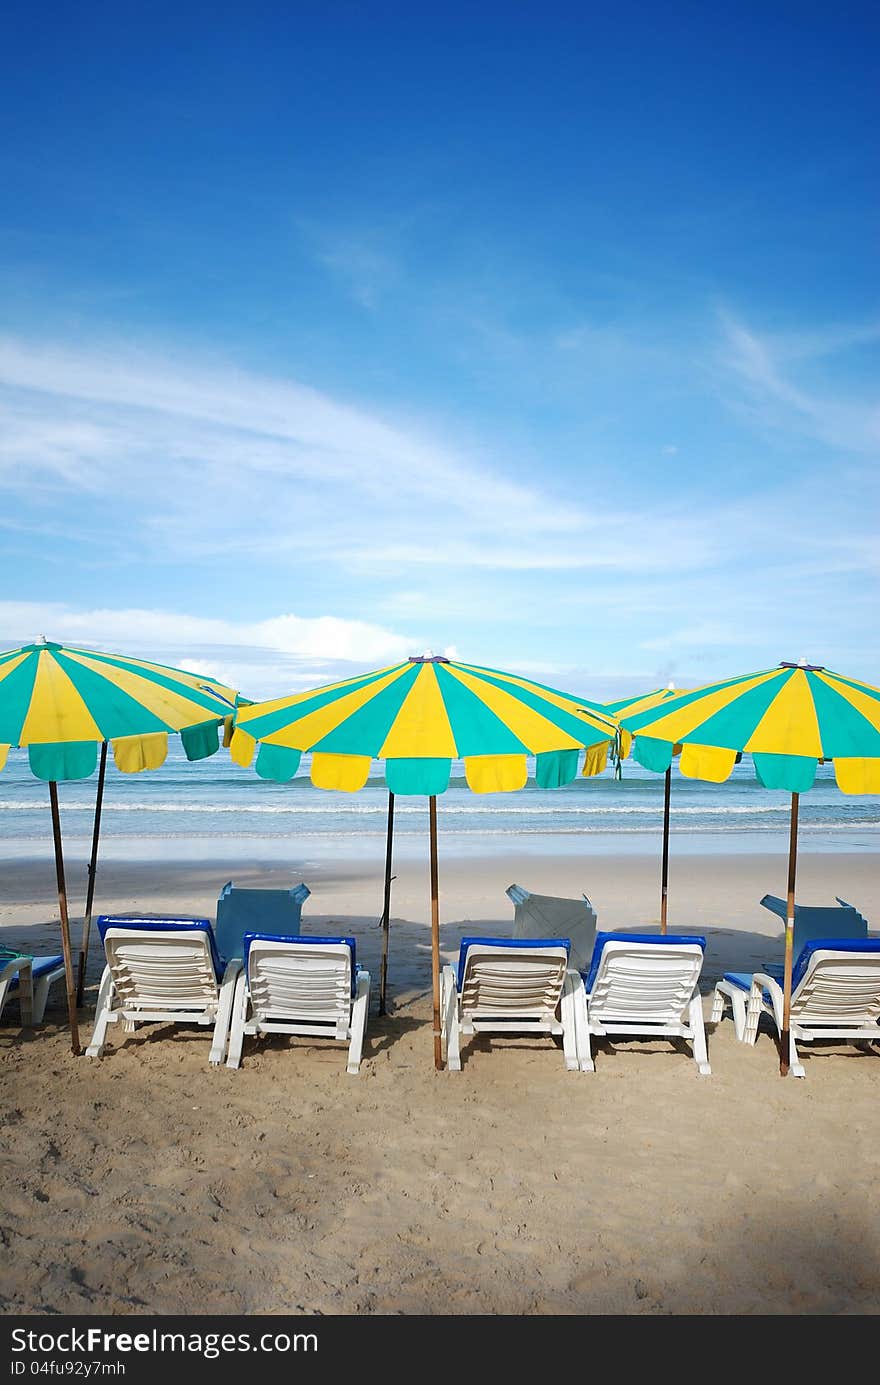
pixel 644 984
pixel 245 910
pixel 44 972
pixel 835 994
pixel 163 970
pixel 548 916
pixel 510 986
pixel 300 985
pixel 811 922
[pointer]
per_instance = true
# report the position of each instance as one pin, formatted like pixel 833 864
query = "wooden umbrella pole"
pixel 386 911
pixel 65 923
pixel 93 864
pixel 664 874
pixel 435 934
pixel 789 941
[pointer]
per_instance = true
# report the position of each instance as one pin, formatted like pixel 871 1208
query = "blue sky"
pixel 547 334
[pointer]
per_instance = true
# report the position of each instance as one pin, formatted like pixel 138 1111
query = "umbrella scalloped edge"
pixel 425 777
pixel 791 773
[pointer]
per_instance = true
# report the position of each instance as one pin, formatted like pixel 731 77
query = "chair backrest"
pixel 549 916
pixel 837 981
pixel 304 978
pixel 170 962
pixel 512 976
pixel 644 976
pixel 241 911
pixel 818 921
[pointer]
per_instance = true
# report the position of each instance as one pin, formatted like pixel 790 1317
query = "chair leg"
pixel 359 1022
pixel 795 1066
pixel 41 996
pixel 738 999
pixel 444 1003
pixel 224 1013
pixel 5 983
pixel 103 1010
pixel 582 1014
pixel 449 1021
pixel 26 994
pixel 698 1033
pixel 569 1022
pixel 753 1016
pixel 739 1005
pixel 239 1013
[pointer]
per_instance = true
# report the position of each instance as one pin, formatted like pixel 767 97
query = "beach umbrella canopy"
pixel 63 703
pixel 638 702
pixel 631 706
pixel 788 719
pixel 418 717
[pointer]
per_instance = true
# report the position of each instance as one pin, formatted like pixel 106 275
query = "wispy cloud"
pixel 223 461
pixel 776 387
pixel 363 264
pixel 156 463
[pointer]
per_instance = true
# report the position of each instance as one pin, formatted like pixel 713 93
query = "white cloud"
pixel 260 658
pixel 765 368
pixel 149 461
pixel 95 418
pixel 217 461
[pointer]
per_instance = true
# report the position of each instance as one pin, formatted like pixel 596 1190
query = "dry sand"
pixel 149 1182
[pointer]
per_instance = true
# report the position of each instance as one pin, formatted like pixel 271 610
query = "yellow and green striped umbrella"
pixel 61 703
pixel 418 717
pixel 788 719
pixel 631 706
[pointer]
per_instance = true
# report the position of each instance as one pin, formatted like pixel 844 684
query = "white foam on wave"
pixel 371 809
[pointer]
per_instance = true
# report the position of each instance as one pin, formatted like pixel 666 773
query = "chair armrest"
pixel 762 982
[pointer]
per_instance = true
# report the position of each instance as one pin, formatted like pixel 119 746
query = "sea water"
pixel 213 806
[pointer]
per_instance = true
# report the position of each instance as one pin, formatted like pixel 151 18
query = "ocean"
pixel 216 808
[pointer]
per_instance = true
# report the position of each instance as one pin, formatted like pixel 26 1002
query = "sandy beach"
pixel 149 1182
